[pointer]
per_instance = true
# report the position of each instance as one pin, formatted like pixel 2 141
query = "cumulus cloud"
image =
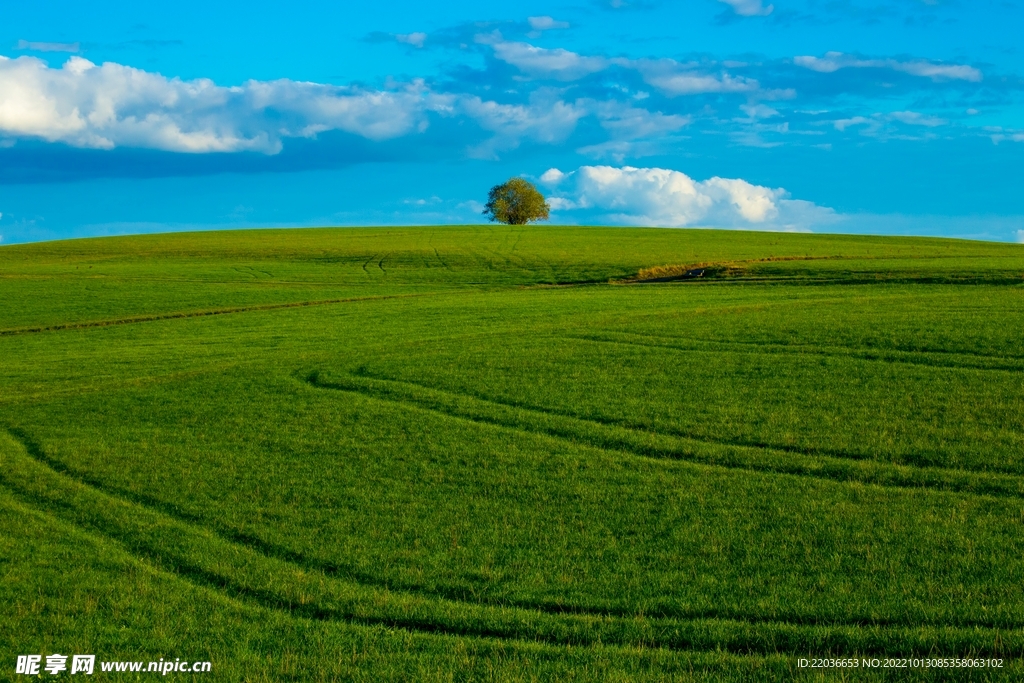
pixel 111 105
pixel 833 61
pixel 544 119
pixel 627 123
pixel 552 176
pixel 1020 236
pixel 664 197
pixel 559 64
pixel 546 23
pixel 749 8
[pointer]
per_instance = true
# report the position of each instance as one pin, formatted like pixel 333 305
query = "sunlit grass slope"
pixel 494 453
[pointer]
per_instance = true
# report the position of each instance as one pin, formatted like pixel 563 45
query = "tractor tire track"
pixel 136 528
pixel 642 441
pixel 198 314
pixel 943 359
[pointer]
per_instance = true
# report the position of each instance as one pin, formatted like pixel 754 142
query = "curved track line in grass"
pixel 919 358
pixel 13 503
pixel 867 349
pixel 188 551
pixel 668 431
pixel 444 264
pixel 199 314
pixel 273 550
pixel 109 516
pixel 644 442
pixel 346 573
pixel 825 300
pixel 739 634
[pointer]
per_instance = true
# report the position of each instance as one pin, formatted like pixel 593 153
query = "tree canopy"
pixel 516 202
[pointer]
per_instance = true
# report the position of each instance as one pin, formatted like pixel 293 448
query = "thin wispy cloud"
pixel 47 47
pixel 546 23
pixel 887 125
pixel 674 79
pixel 914 118
pixel 671 77
pixel 416 39
pixel 749 8
pixel 834 61
pixel 558 63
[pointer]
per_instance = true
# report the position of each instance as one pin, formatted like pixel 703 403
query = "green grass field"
pixel 489 453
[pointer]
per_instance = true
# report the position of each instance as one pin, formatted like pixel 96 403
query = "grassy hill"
pixel 496 453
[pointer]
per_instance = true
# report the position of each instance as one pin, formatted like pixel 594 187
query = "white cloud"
pixel 560 64
pixel 879 125
pixel 552 176
pixel 561 204
pixel 48 47
pixel 546 23
pixel 843 124
pixel 423 202
pixel 415 39
pixel 671 77
pixel 634 132
pixel 758 111
pixel 998 134
pixel 112 105
pixel 833 61
pixel 1020 236
pixel 674 78
pixel 544 120
pixel 664 197
pixel 914 118
pixel 629 123
pixel 471 205
pixel 619 150
pixel 749 8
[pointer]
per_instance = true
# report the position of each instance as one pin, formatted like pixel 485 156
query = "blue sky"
pixel 902 117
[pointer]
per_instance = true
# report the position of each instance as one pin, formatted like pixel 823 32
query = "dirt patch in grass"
pixel 717 269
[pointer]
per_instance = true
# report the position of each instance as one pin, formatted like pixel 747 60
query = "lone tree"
pixel 516 202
